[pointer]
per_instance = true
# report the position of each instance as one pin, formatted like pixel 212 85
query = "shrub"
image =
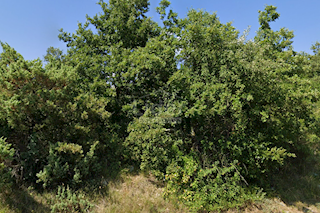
pixel 242 109
pixel 58 129
pixel 218 187
pixel 68 201
pixel 67 163
pixel 6 157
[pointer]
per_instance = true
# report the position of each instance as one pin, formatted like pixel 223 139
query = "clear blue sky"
pixel 32 26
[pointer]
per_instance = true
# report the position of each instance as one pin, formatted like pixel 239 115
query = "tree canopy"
pixel 207 111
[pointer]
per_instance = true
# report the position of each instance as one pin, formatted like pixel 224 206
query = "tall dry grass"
pixel 138 194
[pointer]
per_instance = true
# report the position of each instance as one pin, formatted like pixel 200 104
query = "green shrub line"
pixel 208 112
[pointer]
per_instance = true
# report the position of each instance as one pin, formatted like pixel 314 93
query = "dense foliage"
pixel 212 114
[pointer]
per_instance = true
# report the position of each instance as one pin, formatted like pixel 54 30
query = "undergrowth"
pixel 294 190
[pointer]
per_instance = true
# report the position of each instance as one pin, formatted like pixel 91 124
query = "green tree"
pixel 235 111
pixel 129 52
pixel 61 132
pixel 278 40
pixel 315 59
pixel 212 114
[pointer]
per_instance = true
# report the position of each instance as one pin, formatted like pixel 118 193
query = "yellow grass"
pixel 138 194
pixel 143 194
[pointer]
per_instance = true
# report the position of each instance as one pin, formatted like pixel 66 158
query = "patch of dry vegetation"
pixel 143 194
pixel 275 205
pixel 137 194
pixel 296 189
pixel 21 200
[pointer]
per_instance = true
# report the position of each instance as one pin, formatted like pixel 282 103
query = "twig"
pixel 244 180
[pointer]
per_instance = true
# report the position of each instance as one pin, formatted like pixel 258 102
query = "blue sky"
pixel 32 26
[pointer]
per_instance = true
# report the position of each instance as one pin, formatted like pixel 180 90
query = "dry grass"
pixel 299 192
pixel 136 194
pixel 275 205
pixel 23 201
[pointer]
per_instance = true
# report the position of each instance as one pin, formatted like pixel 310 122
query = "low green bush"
pixel 67 201
pixel 6 157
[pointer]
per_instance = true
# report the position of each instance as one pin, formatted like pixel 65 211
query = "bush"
pixel 191 101
pixel 68 201
pixel 242 109
pixel 67 163
pixel 6 157
pixel 59 130
pixel 215 188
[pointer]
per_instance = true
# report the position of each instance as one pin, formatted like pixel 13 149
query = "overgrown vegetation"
pixel 212 115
